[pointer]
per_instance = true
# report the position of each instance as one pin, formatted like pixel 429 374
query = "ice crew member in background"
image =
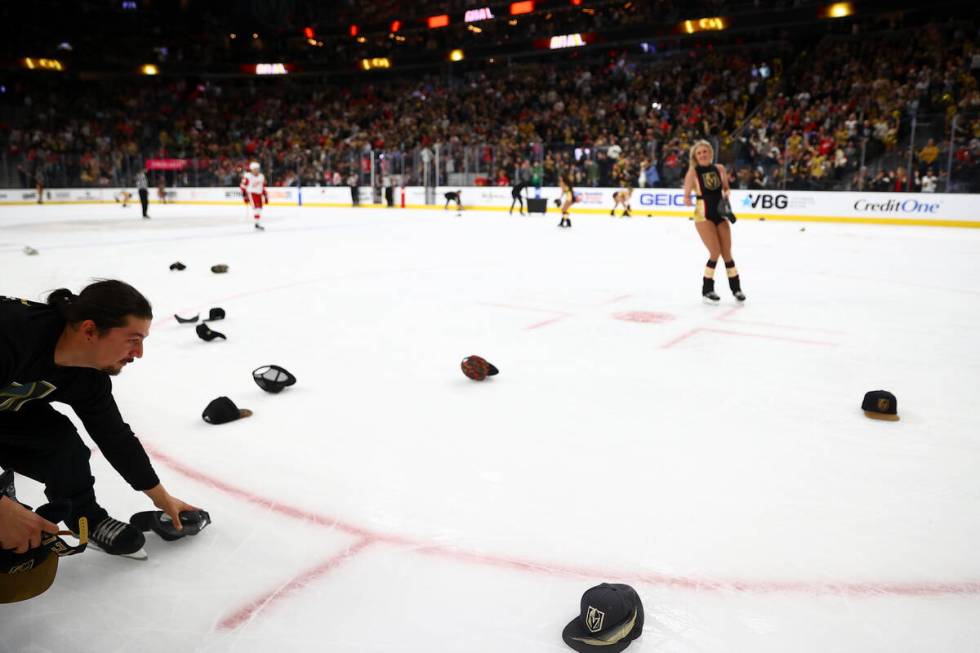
pixel 65 351
pixel 709 183
pixel 622 196
pixel 454 196
pixel 143 188
pixel 254 192
pixel 516 193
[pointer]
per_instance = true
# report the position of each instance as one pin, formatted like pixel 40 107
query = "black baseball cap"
pixel 207 333
pixel 273 378
pixel 191 521
pixel 880 404
pixel 223 410
pixel 610 618
pixel 216 313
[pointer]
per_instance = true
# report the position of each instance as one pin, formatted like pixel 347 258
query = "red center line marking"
pixel 697 330
pixel 560 315
pixel 724 317
pixel 249 611
pixel 367 537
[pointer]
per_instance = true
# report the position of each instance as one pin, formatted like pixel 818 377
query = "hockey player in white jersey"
pixel 254 192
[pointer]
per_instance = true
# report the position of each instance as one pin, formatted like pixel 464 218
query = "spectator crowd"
pixel 863 111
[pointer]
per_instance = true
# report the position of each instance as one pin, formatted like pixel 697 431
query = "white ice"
pixel 714 457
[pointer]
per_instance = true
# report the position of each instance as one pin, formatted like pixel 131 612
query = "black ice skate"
pixel 118 538
pixel 708 291
pixel 739 295
pixel 259 227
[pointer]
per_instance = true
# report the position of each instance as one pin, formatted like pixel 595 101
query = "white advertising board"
pixel 940 209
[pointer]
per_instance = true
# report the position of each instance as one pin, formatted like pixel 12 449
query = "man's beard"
pixel 115 370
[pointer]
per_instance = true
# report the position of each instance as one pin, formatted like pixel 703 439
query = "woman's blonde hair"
pixel 698 144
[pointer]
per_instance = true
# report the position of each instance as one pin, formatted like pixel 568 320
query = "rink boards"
pixel 932 209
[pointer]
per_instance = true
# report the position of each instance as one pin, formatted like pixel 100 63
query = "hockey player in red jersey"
pixel 254 192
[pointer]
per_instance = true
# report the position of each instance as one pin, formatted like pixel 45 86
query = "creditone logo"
pixel 893 206
pixel 765 201
pixel 661 199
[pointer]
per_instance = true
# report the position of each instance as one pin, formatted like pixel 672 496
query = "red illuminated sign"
pixel 438 21
pixel 525 7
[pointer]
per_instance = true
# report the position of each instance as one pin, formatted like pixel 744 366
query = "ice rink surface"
pixel 713 457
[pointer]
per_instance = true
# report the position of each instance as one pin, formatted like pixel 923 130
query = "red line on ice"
pixel 249 611
pixel 366 537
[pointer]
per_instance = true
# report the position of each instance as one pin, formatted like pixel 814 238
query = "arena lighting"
pixel 353 30
pixel 517 8
pixel 395 26
pixel 438 21
pixel 576 3
pixel 566 41
pixel 838 10
pixel 715 23
pixel 42 64
pixel 473 15
pixel 456 55
pixel 149 69
pixel 309 33
pixel 271 69
pixel 375 63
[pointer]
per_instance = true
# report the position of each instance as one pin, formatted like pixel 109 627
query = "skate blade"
pixel 711 302
pixel 135 555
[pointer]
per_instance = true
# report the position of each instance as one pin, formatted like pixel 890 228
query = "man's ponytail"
pixel 108 303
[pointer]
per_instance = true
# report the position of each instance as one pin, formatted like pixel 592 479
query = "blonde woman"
pixel 709 183
pixel 567 199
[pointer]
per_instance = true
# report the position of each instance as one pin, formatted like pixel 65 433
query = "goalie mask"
pixel 272 378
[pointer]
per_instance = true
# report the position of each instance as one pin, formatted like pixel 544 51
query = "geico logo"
pixel 908 206
pixel 766 201
pixel 661 199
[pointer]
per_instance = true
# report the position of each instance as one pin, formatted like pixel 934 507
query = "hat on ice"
pixel 192 522
pixel 219 268
pixel 880 404
pixel 223 410
pixel 216 314
pixel 206 333
pixel 478 368
pixel 611 617
pixel 273 378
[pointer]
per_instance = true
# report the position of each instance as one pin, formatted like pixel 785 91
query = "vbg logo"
pixel 765 201
pixel 661 199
